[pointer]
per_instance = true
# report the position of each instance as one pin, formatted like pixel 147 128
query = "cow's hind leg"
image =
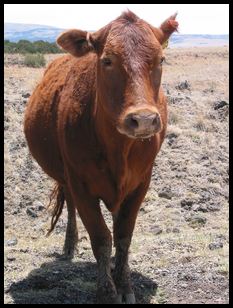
pixel 123 225
pixel 71 238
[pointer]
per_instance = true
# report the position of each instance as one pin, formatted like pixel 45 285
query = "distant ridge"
pixel 16 31
pixel 31 32
pixel 191 40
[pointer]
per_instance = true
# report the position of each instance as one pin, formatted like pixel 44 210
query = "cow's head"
pixel 129 69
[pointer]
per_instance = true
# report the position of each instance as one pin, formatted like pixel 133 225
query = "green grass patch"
pixel 34 60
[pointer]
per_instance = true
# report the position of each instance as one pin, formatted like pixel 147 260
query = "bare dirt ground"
pixel 179 252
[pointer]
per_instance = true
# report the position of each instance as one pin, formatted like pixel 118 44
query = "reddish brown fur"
pixel 75 128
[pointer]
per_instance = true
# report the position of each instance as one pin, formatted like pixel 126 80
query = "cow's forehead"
pixel 135 43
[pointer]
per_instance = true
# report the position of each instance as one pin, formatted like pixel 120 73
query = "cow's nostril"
pixel 155 121
pixel 133 123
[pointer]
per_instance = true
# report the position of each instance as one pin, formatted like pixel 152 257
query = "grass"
pixel 161 296
pixel 173 117
pixel 34 60
pixel 200 124
pixel 223 268
pixel 151 196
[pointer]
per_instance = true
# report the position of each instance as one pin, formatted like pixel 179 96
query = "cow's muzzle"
pixel 140 124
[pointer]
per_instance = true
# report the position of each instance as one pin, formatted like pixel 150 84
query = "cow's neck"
pixel 116 146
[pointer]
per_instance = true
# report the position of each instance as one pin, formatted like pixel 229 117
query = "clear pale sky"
pixel 193 18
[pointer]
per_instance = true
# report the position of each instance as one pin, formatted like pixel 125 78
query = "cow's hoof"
pixel 126 299
pixel 106 292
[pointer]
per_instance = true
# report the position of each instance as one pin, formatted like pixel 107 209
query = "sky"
pixel 192 18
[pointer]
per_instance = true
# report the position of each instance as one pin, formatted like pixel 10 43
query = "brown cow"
pixel 95 124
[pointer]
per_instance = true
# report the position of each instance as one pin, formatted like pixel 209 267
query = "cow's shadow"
pixel 65 282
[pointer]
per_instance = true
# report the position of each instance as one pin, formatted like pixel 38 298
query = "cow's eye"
pixel 162 60
pixel 106 62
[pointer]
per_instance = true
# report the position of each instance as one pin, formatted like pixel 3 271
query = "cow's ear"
pixel 166 29
pixel 76 42
pixel 98 38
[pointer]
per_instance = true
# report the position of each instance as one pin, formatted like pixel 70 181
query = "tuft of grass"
pixel 200 124
pixel 151 196
pixel 194 136
pixel 34 60
pixel 223 268
pixel 173 117
pixel 161 296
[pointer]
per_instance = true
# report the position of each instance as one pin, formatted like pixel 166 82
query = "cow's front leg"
pixel 123 225
pixel 101 241
pixel 121 274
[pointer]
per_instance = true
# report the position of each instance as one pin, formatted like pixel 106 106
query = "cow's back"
pixel 41 117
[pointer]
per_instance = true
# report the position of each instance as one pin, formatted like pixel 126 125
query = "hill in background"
pixel 16 31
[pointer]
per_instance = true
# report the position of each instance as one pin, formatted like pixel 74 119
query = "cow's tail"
pixel 57 200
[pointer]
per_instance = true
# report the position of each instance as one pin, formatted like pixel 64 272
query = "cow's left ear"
pixel 76 42
pixel 166 29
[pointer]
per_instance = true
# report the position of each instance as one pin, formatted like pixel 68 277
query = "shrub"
pixel 34 60
pixel 25 46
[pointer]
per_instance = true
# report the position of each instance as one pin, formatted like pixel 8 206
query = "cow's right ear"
pixel 75 42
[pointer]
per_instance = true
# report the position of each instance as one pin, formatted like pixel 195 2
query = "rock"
pixel 185 85
pixel 184 285
pixel 171 138
pixel 34 237
pixel 30 211
pixel 176 230
pixel 215 245
pixel 221 237
pixel 209 90
pixel 16 211
pixel 213 207
pixel 12 242
pixel 174 99
pixel 165 193
pixel 11 258
pixel 165 272
pixel 24 250
pixel 197 221
pixel 200 208
pixel 187 203
pixel 142 209
pixel 38 206
pixel 156 230
pixel 26 95
pixel 220 104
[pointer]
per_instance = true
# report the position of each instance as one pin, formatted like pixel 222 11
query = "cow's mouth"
pixel 144 136
pixel 132 135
